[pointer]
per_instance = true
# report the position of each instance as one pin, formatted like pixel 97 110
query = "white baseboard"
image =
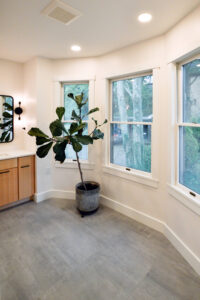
pixel 39 197
pixel 133 213
pixel 70 195
pixel 182 248
pixel 137 215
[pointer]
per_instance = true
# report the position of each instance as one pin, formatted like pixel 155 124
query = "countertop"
pixel 15 154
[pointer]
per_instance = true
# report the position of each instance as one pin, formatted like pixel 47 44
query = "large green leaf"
pixel 60 111
pixel 57 128
pixel 59 150
pixel 76 127
pixel 76 146
pixel 75 116
pixel 37 132
pixel 79 99
pixel 91 111
pixel 70 95
pixel 84 139
pixel 97 134
pixel 44 150
pixel 41 140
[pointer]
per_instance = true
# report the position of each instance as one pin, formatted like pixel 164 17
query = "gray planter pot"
pixel 87 200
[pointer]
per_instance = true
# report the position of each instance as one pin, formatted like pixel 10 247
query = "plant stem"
pixel 80 171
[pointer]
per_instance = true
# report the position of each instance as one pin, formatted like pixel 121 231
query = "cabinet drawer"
pixel 8 164
pixel 25 161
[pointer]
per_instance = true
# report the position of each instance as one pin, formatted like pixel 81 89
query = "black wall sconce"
pixel 19 111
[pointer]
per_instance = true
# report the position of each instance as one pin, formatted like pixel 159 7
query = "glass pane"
pixel 70 154
pixel 132 99
pixel 191 92
pixel 70 104
pixel 189 157
pixel 131 146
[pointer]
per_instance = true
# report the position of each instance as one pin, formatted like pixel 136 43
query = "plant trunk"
pixel 80 171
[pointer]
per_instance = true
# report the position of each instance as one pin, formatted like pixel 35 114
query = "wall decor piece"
pixel 6 119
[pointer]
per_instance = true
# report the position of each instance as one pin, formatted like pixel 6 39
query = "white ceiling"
pixel 105 25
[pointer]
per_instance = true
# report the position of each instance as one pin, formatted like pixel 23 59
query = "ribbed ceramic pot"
pixel 87 200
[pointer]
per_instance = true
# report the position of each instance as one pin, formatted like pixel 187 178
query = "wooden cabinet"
pixel 8 186
pixel 26 176
pixel 17 179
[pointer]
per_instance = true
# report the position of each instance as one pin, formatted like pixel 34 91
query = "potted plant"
pixel 87 192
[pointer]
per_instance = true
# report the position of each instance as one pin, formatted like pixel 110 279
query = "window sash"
pixel 110 112
pixel 110 121
pixel 73 121
pixel 180 124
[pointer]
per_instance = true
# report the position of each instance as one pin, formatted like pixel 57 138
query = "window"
pixel 189 126
pixel 70 105
pixel 131 122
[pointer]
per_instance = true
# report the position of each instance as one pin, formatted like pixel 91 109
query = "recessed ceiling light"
pixel 76 48
pixel 145 18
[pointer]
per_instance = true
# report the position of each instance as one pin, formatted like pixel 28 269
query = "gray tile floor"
pixel 48 252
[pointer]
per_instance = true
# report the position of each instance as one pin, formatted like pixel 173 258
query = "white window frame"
pixel 138 176
pixel 59 101
pixel 180 123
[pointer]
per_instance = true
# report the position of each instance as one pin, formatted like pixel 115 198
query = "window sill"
pixel 187 200
pixel 139 178
pixel 73 165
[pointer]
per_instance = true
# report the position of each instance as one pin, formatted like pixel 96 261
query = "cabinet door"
pixel 26 177
pixel 8 186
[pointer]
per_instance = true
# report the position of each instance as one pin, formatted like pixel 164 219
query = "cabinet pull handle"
pixel 4 172
pixel 25 166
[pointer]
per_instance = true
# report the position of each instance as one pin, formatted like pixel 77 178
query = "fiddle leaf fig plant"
pixel 61 137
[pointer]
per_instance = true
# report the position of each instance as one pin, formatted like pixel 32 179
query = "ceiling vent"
pixel 61 12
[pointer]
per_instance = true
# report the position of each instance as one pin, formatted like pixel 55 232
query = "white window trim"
pixel 142 178
pixel 175 189
pixel 145 178
pixel 182 196
pixel 59 101
pixel 69 164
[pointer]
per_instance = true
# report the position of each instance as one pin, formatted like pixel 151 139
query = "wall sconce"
pixel 19 111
